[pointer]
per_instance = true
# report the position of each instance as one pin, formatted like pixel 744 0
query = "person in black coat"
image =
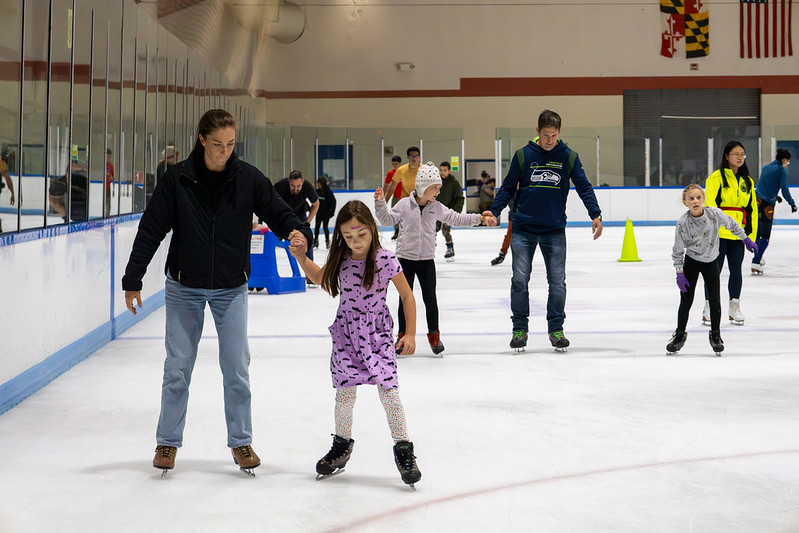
pixel 207 202
pixel 327 209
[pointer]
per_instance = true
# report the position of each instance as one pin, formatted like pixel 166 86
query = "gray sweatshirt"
pixel 698 237
pixel 417 236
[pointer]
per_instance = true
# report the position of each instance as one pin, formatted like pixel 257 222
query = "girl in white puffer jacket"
pixel 416 245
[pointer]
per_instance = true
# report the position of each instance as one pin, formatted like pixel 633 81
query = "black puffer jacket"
pixel 210 245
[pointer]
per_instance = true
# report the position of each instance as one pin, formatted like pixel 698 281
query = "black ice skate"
pixel 715 342
pixel 676 343
pixel 498 259
pixel 333 463
pixel 519 340
pixel 559 341
pixel 406 463
pixel 450 254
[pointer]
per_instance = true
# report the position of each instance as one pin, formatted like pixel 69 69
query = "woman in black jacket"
pixel 207 202
pixel 327 209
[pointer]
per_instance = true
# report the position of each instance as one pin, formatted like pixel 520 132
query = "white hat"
pixel 427 175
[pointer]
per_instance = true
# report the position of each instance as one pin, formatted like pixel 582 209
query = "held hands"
pixel 379 196
pixel 488 218
pixel 130 297
pixel 682 282
pixel 750 245
pixel 298 245
pixel 407 345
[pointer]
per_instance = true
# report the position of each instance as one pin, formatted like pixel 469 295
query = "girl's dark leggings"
pixel 426 272
pixel 710 275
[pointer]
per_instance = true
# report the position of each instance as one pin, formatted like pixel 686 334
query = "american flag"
pixel 765 28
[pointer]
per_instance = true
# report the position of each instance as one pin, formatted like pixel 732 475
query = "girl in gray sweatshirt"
pixel 696 247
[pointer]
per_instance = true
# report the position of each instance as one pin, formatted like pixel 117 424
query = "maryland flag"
pixel 687 22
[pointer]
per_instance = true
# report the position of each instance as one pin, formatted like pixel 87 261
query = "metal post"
pixel 421 150
pixel 463 162
pixel 382 156
pixel 709 156
pixel 660 162
pixel 597 161
pixel 347 163
pixel 646 162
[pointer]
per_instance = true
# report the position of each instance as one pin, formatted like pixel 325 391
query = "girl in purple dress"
pixel 359 270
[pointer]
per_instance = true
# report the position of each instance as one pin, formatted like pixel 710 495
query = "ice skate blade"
pixel 561 350
pixel 249 471
pixel 164 472
pixel 756 273
pixel 520 349
pixel 450 259
pixel 718 354
pixel 705 321
pixel 676 352
pixel 736 322
pixel 412 486
pixel 320 477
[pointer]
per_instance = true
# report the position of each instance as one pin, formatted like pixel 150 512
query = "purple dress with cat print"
pixel 363 346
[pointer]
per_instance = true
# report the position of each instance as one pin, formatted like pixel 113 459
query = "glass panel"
pixel 113 131
pixel 100 191
pixel 141 178
pixel 367 172
pixel 33 183
pixel 58 125
pixel 277 139
pixel 81 90
pixel 125 170
pixel 10 54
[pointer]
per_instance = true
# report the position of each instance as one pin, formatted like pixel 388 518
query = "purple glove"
pixel 682 282
pixel 750 245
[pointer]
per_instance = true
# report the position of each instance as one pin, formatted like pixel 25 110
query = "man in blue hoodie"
pixel 773 179
pixel 542 169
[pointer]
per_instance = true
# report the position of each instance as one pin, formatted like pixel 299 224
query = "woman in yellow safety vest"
pixel 731 189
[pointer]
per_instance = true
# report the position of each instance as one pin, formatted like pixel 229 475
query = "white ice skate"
pixel 736 316
pixel 757 268
pixel 706 314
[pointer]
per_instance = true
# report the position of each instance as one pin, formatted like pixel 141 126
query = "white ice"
pixel 611 436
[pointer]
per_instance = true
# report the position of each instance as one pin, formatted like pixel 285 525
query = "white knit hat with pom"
pixel 427 175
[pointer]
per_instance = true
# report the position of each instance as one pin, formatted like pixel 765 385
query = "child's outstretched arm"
pixel 408 341
pixel 297 248
pixel 386 216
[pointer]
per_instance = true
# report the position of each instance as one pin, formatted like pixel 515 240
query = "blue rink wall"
pixel 61 294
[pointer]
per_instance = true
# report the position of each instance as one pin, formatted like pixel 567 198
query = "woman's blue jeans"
pixel 185 313
pixel 553 249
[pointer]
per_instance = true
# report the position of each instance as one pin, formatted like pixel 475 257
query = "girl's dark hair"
pixel 322 181
pixel 783 153
pixel 338 247
pixel 212 120
pixel 743 170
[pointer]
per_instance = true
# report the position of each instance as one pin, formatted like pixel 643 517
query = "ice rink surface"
pixel 612 436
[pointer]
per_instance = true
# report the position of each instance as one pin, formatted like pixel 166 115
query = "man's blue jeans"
pixel 185 313
pixel 553 248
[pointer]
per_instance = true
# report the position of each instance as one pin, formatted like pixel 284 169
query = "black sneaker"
pixel 498 259
pixel 677 341
pixel 337 457
pixel 406 462
pixel 519 339
pixel 558 340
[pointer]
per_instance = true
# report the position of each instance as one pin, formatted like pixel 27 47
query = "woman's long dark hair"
pixel 212 120
pixel 338 247
pixel 743 170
